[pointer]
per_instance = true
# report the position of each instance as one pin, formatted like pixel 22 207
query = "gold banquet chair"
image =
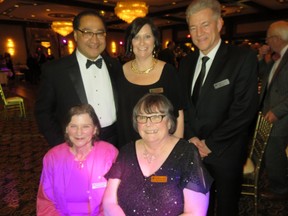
pixel 254 161
pixel 13 103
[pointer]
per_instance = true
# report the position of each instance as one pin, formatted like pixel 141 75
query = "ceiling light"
pixel 128 11
pixel 63 28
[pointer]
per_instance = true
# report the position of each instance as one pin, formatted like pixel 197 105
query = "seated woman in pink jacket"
pixel 72 180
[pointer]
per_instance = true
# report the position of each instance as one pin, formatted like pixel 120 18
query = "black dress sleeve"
pixel 118 168
pixel 195 176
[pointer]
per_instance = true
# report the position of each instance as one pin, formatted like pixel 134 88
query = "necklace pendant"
pixel 149 157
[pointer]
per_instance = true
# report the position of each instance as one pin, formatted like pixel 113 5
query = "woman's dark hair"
pixel 77 18
pixel 133 30
pixel 83 109
pixel 150 103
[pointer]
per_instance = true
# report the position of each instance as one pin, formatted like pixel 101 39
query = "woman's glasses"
pixel 153 118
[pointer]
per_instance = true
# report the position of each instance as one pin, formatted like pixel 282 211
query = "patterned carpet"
pixel 22 149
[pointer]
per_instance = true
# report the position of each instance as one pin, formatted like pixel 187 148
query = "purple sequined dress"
pixel 141 195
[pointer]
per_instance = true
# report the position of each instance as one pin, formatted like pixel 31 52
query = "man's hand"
pixel 201 145
pixel 270 117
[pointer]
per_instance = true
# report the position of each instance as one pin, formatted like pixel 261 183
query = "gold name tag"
pixel 156 90
pixel 159 179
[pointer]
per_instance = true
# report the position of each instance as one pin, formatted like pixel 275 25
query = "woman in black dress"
pixel 145 74
pixel 159 174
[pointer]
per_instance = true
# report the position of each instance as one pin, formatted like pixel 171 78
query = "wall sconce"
pixel 45 44
pixel 70 46
pixel 113 47
pixel 10 46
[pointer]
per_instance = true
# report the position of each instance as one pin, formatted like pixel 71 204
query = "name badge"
pixel 99 185
pixel 221 83
pixel 156 90
pixel 159 179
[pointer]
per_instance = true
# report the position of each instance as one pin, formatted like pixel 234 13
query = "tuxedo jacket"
pixel 61 88
pixel 227 103
pixel 275 97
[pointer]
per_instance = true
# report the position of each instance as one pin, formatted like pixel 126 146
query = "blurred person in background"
pixel 274 105
pixel 168 54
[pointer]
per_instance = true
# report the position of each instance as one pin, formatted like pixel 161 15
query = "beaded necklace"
pixel 135 69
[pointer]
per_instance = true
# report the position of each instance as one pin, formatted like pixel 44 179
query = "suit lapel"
pixel 264 81
pixel 191 71
pixel 110 68
pixel 283 62
pixel 188 77
pixel 76 79
pixel 113 69
pixel 217 65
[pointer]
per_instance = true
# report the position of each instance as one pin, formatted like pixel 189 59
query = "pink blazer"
pixel 56 173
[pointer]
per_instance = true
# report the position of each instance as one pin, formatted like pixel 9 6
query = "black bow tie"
pixel 98 63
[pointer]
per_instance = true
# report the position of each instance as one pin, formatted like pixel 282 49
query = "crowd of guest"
pixel 31 70
pixel 180 124
pixel 7 63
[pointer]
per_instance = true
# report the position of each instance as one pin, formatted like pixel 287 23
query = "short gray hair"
pixel 198 5
pixel 151 102
pixel 280 28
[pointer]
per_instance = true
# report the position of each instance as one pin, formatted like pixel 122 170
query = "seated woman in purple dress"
pixel 72 180
pixel 159 174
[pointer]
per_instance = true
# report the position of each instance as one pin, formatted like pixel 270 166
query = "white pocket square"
pixel 221 83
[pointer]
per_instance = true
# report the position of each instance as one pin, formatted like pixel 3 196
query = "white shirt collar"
pixel 212 53
pixel 283 51
pixel 83 59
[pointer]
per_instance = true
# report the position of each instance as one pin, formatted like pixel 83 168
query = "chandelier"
pixel 63 28
pixel 130 10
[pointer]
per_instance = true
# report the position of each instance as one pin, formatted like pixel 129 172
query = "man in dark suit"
pixel 222 106
pixel 274 98
pixel 168 54
pixel 86 76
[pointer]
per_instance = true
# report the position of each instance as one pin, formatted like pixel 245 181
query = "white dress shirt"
pixel 98 88
pixel 211 56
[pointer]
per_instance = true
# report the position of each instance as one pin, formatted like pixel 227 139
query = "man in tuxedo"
pixel 274 101
pixel 221 105
pixel 85 76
